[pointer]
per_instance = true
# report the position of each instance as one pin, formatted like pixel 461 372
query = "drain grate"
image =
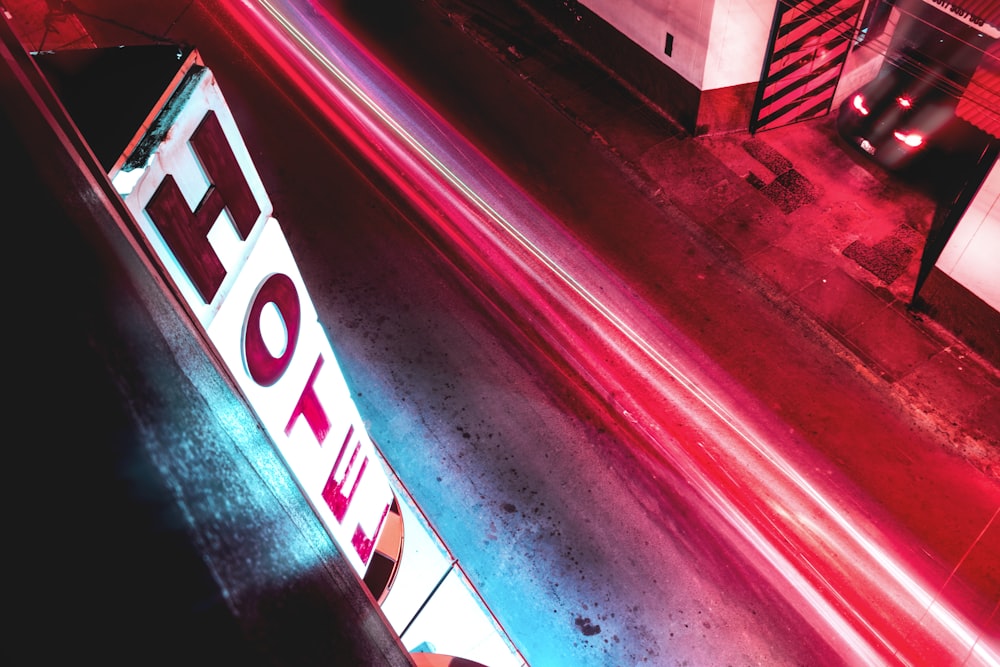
pixel 887 259
pixel 789 191
pixel 776 163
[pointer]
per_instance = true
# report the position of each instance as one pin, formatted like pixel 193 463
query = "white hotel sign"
pixel 203 208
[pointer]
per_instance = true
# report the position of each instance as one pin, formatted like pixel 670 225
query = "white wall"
pixel 972 255
pixel 717 43
pixel 738 46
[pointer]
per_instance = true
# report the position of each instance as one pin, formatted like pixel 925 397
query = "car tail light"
pixel 911 139
pixel 859 103
pixel 904 101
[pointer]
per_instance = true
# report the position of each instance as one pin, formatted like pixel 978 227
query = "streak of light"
pixel 877 606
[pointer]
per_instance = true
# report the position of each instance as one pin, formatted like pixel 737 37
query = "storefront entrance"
pixel 807 49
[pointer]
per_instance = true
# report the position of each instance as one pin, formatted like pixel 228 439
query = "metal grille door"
pixel 808 46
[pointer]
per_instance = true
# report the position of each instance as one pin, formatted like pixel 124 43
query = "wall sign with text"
pixel 956 10
pixel 202 207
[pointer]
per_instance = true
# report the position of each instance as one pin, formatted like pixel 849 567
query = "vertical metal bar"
pixel 429 596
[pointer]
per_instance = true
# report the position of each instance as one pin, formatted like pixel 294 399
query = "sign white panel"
pixel 201 205
pixel 176 158
pixel 307 408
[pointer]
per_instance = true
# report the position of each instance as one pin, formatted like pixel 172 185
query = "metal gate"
pixel 809 43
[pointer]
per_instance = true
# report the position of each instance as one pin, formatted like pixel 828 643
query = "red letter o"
pixel 264 368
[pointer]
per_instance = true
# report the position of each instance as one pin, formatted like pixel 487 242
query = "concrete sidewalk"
pixel 820 233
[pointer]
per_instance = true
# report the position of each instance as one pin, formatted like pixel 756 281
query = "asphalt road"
pixel 586 552
pixel 538 496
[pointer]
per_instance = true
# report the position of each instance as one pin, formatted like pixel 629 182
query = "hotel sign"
pixel 203 209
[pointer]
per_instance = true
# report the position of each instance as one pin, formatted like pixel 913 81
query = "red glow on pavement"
pixel 850 578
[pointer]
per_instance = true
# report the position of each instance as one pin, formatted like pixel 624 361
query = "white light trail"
pixel 747 458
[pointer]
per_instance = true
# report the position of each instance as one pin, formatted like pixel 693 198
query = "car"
pixel 907 114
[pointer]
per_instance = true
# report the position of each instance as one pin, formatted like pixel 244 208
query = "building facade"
pixel 730 66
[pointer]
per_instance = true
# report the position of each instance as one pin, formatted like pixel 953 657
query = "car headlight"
pixel 911 139
pixel 859 105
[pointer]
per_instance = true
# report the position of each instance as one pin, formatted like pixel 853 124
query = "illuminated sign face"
pixel 202 207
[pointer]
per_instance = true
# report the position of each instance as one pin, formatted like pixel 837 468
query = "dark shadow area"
pixel 99 561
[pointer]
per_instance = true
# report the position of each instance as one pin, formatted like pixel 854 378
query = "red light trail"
pixel 853 579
